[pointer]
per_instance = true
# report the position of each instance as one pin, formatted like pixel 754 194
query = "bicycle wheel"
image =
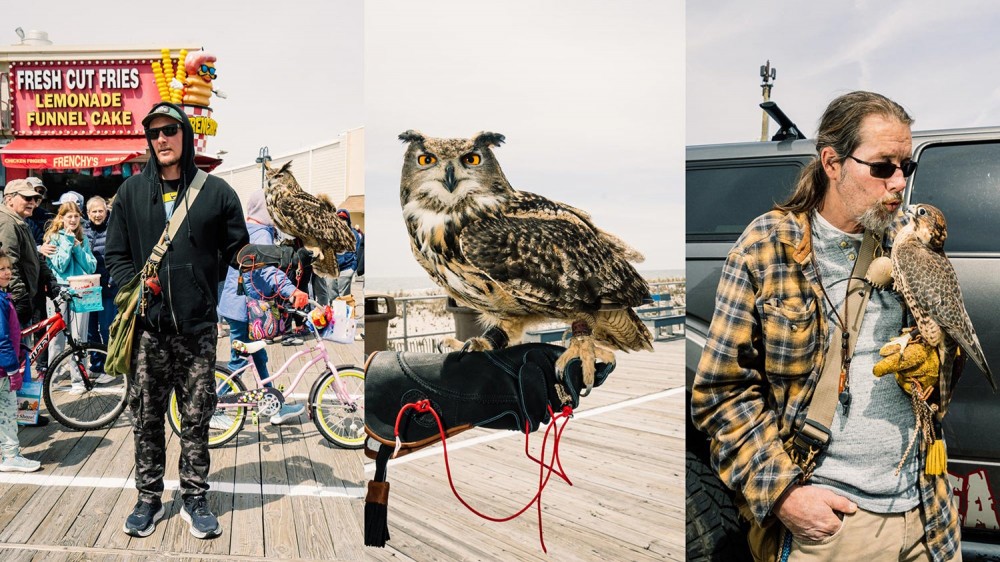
pixel 343 424
pixel 226 422
pixel 90 409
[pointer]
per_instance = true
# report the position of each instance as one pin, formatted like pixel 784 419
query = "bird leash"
pixel 417 399
pixel 917 368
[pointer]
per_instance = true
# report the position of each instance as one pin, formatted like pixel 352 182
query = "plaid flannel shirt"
pixel 760 366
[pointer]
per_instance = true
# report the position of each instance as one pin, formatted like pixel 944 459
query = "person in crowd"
pixel 11 376
pixel 347 262
pixel 266 282
pixel 360 271
pixel 40 216
pixel 31 278
pixel 97 234
pixel 20 200
pixel 70 255
pixel 70 197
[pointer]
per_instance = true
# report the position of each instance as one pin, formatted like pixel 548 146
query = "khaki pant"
pixel 871 537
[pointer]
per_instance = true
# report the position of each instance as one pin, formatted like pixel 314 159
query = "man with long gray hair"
pixel 781 320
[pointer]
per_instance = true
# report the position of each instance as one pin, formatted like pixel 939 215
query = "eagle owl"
pixel 927 281
pixel 516 257
pixel 311 219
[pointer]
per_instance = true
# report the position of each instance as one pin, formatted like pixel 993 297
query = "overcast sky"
pixel 588 93
pixel 292 70
pixel 939 60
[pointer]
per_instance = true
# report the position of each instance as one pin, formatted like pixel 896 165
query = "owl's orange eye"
pixel 426 159
pixel 472 159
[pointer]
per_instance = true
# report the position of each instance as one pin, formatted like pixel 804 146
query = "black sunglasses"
pixel 885 170
pixel 208 69
pixel 167 130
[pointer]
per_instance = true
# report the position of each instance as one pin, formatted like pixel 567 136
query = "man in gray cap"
pixel 20 200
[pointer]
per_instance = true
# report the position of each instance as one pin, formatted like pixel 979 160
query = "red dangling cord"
pixel 424 406
pixel 565 414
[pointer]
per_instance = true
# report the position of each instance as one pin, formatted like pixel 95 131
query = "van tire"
pixel 714 531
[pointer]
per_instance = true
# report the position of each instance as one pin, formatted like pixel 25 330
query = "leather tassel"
pixel 377 514
pixel 937 458
pixel 377 501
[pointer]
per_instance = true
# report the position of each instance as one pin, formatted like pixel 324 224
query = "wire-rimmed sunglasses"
pixel 167 130
pixel 885 170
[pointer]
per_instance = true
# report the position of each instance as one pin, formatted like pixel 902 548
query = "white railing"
pixel 668 300
pixel 418 341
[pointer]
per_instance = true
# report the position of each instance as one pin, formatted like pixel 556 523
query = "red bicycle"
pixel 76 391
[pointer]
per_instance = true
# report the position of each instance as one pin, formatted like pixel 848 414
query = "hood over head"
pixel 345 215
pixel 188 168
pixel 257 208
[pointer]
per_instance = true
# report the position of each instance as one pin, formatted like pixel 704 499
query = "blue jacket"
pixel 70 258
pixel 98 236
pixel 10 339
pixel 36 224
pixel 267 279
pixel 349 260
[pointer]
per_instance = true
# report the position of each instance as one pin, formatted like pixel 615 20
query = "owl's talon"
pixel 472 344
pixel 589 354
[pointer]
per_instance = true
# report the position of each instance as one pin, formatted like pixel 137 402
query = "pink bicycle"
pixel 336 400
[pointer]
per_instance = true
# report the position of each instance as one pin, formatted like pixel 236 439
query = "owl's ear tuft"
pixel 486 139
pixel 286 167
pixel 411 136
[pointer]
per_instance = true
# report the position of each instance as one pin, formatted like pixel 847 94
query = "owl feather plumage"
pixel 311 219
pixel 516 257
pixel 925 277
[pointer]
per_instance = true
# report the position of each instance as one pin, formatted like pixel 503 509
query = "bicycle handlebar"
pixel 65 295
pixel 302 313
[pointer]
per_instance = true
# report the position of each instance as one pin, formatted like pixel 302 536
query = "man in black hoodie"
pixel 176 342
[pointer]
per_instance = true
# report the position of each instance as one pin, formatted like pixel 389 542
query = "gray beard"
pixel 876 218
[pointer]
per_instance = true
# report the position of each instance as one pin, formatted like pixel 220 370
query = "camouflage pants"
pixel 185 363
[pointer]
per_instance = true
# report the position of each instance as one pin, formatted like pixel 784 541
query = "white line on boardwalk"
pixel 436 449
pixel 53 481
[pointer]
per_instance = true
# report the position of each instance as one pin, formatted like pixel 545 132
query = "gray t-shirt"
pixel 867 444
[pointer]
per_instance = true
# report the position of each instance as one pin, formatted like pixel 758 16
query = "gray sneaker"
pixel 204 524
pixel 19 464
pixel 104 379
pixel 287 412
pixel 142 522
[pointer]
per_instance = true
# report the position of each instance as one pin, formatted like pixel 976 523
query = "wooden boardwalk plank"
pixel 248 522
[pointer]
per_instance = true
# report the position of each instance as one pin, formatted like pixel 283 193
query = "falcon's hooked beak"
pixel 449 178
pixel 907 215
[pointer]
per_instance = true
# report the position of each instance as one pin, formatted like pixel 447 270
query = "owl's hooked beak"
pixel 449 178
